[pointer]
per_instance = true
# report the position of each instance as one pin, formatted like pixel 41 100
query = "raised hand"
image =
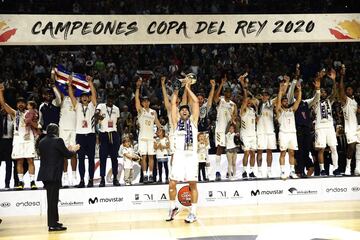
pixel 70 80
pixel 286 78
pixel 89 79
pixel 224 79
pixel 163 79
pixel 2 87
pixel 212 83
pixel 139 83
pixel 342 70
pixel 332 74
pixel 317 83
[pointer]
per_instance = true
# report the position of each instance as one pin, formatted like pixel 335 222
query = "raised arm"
pixel 298 100
pixel 218 92
pixel 58 95
pixel 333 95
pixel 92 89
pixel 6 107
pixel 342 95
pixel 282 88
pixel 211 94
pixel 137 95
pixel 317 84
pixel 194 103
pixel 165 96
pixel 245 100
pixel 174 109
pixel 157 122
pixel 71 92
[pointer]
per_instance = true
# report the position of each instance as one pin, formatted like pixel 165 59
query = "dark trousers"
pixel 160 166
pixel 87 144
pixel 202 166
pixel 109 145
pixel 304 145
pixel 5 155
pixel 52 195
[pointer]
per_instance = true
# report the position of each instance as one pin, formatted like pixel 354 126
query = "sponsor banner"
pixel 342 189
pixel 16 203
pixel 176 29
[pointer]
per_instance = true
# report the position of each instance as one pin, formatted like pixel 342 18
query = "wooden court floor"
pixel 327 220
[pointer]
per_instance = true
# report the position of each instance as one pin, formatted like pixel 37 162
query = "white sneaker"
pixel 65 182
pixel 259 174
pixel 268 174
pixel 283 176
pixel 347 171
pixel 233 178
pixel 172 213
pixel 190 218
pixel 357 172
pixel 293 175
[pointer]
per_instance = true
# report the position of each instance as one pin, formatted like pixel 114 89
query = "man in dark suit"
pixel 52 151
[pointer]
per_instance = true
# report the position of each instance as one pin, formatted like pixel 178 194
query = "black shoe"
pixel 323 173
pixel 90 183
pixel 116 183
pixel 81 184
pixel 227 175
pixel 57 228
pixel 59 224
pixel 244 175
pixel 145 179
pixel 20 186
pixel 151 179
pixel 33 185
pixel 252 175
pixel 336 172
pixel 102 183
pixel 218 176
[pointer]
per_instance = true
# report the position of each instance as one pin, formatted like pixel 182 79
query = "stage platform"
pixel 155 196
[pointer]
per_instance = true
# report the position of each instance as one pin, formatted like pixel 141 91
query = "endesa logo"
pixel 267 192
pixel 28 204
pixel 5 204
pixel 336 190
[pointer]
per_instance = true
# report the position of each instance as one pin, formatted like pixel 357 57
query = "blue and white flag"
pixel 79 81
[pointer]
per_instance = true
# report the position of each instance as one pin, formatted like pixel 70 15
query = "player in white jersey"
pixel 350 107
pixel 248 128
pixel 146 118
pixel 324 126
pixel 67 131
pixel 85 130
pixel 185 161
pixel 226 112
pixel 287 133
pixel 265 131
pixel 23 145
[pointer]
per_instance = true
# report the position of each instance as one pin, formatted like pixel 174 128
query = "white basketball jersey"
pixel 265 124
pixel 20 129
pixel 67 115
pixel 323 112
pixel 248 125
pixel 287 121
pixel 224 112
pixel 180 139
pixel 146 124
pixel 349 110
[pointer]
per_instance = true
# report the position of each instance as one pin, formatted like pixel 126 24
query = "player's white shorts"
pixel 352 137
pixel 266 141
pixel 249 143
pixel 325 136
pixel 23 149
pixel 146 147
pixel 220 139
pixel 288 141
pixel 69 136
pixel 184 167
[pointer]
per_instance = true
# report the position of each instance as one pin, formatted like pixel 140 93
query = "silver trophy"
pixel 190 76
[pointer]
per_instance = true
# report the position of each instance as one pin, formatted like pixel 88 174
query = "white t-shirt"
pixel 230 144
pixel 265 124
pixel 349 110
pixel 224 112
pixel 111 115
pixel 67 115
pixel 146 121
pixel 323 111
pixel 162 153
pixel 128 163
pixel 287 121
pixel 84 118
pixel 203 152
pixel 248 123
